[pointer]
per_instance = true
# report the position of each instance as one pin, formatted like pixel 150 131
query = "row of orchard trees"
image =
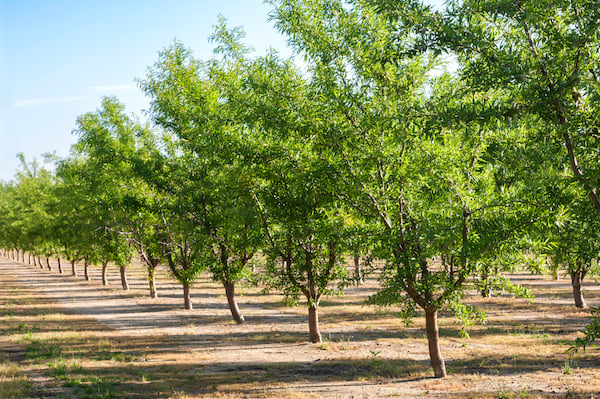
pixel 366 149
pixel 48 215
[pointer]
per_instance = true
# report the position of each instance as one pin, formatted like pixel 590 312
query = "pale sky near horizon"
pixel 58 58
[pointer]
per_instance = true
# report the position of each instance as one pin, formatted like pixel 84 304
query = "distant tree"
pixel 573 244
pixel 32 191
pixel 109 142
pixel 9 236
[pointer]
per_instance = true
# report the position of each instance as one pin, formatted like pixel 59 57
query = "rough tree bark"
pixel 124 282
pixel 152 281
pixel 105 272
pixel 576 282
pixel 73 269
pixel 187 300
pixel 233 306
pixel 433 339
pixel 357 269
pixel 485 292
pixel 313 323
pixel 86 270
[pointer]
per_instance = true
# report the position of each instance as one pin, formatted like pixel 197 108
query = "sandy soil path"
pixel 208 336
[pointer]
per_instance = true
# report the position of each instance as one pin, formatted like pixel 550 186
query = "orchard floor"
pixel 64 337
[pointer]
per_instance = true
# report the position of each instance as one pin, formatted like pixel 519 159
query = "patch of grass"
pixel 13 382
pixel 97 388
pixel 42 350
pixel 335 344
pixel 61 370
pixel 520 394
pixel 115 356
pixel 530 332
pixel 24 328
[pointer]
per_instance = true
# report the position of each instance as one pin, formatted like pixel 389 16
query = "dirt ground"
pixel 155 348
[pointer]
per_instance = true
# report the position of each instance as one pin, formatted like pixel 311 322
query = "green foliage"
pixel 451 180
pixel 591 333
pixel 427 184
pixel 208 163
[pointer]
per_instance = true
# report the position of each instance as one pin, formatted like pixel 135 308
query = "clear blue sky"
pixel 59 57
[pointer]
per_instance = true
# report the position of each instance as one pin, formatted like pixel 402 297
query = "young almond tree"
pixel 210 181
pixel 31 194
pixel 111 143
pixel 383 128
pixel 306 228
pixel 573 244
pixel 546 55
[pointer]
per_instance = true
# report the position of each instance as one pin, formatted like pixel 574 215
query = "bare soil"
pixel 76 338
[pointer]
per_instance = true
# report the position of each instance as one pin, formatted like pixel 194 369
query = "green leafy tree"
pixel 9 234
pixel 111 143
pixel 426 181
pixel 212 185
pixel 73 213
pixel 183 244
pixel 545 54
pixel 307 232
pixel 573 244
pixel 32 191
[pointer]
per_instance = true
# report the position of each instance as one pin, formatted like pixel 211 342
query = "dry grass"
pixel 13 381
pixel 71 338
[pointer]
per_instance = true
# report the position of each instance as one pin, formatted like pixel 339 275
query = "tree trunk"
pixel 152 281
pixel 187 300
pixel 433 339
pixel 313 323
pixel 124 282
pixel 554 270
pixel 40 264
pixel 28 258
pixel 48 263
pixel 357 270
pixel 576 280
pixel 60 270
pixel 233 306
pixel 485 292
pixel 105 273
pixel 86 270
pixel 73 269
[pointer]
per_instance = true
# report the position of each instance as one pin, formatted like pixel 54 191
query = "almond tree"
pixel 31 192
pixel 81 219
pixel 428 185
pixel 572 242
pixel 546 55
pixel 208 178
pixel 109 143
